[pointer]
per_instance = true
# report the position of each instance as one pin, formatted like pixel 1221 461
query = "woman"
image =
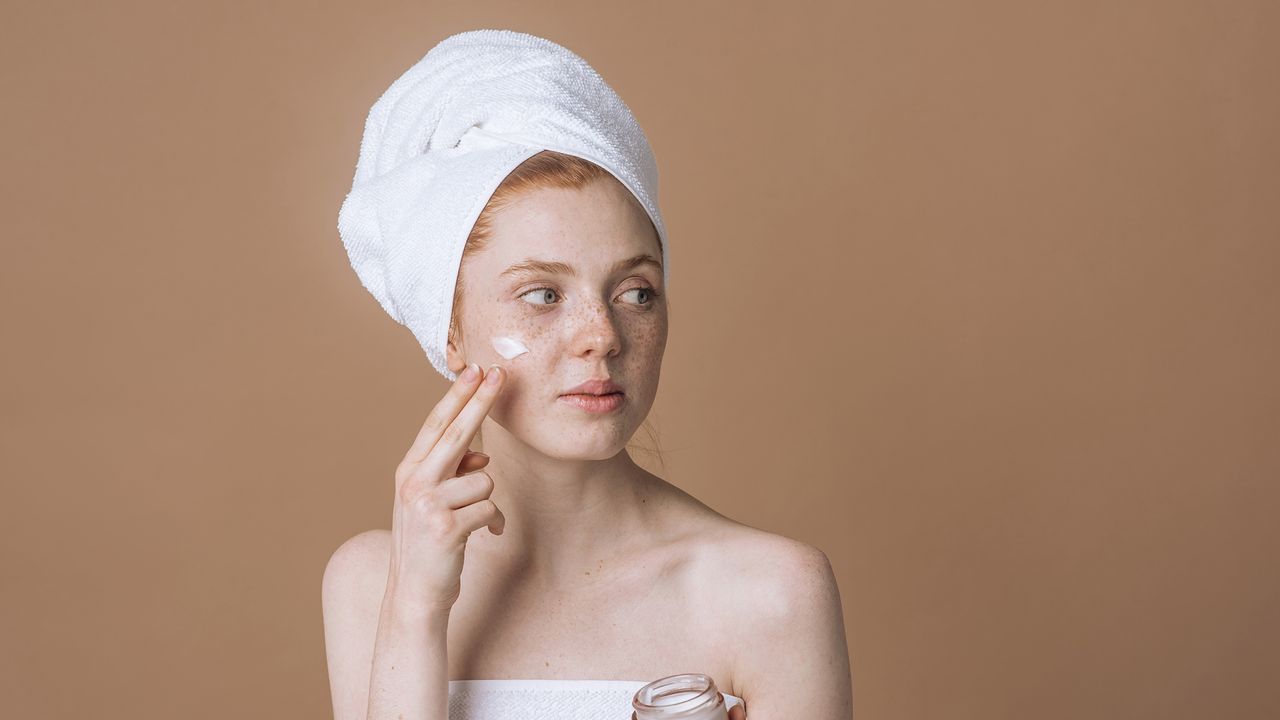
pixel 592 569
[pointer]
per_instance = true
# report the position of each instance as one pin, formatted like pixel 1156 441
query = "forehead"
pixel 589 228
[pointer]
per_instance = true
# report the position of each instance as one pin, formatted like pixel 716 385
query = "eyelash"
pixel 654 294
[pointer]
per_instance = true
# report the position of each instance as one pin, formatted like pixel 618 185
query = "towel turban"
pixel 442 138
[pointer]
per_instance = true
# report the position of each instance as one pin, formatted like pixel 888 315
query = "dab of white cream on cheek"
pixel 508 347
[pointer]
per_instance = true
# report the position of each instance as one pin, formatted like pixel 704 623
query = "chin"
pixel 585 447
pixel 570 441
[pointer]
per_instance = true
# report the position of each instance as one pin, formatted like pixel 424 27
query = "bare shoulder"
pixel 782 616
pixel 775 572
pixel 365 554
pixel 355 580
pixel 768 566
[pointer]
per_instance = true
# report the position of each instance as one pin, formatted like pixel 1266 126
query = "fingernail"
pixel 492 377
pixel 471 373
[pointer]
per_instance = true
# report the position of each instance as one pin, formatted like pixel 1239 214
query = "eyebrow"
pixel 533 266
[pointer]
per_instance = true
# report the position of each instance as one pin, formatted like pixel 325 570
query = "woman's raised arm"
pixel 441 497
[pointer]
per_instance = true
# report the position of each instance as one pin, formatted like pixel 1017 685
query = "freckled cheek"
pixel 527 385
pixel 525 369
pixel 511 397
pixel 647 335
pixel 531 334
pixel 506 321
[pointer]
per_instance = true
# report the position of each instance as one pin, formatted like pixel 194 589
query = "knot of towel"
pixel 442 138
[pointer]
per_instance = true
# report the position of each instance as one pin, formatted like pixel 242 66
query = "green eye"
pixel 539 292
pixel 647 293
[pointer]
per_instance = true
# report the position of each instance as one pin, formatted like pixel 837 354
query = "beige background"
pixel 980 298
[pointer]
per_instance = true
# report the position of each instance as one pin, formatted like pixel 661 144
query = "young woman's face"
pixel 574 275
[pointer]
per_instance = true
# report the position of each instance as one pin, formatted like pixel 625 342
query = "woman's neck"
pixel 565 519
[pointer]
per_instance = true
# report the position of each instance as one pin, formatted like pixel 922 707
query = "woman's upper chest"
pixel 644 622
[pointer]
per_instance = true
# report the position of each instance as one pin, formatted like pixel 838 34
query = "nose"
pixel 595 332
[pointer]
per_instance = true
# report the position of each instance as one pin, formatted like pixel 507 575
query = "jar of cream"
pixel 689 696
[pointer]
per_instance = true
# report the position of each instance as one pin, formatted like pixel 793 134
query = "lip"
pixel 597 395
pixel 601 386
pixel 598 404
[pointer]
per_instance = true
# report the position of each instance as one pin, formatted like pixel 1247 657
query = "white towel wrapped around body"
pixel 443 136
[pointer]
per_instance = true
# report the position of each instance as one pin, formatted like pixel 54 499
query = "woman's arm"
pixel 392 662
pixel 797 662
pixel 410 674
pixel 386 654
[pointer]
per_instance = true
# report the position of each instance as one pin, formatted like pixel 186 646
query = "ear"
pixel 455 357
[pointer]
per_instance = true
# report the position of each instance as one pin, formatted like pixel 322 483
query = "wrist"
pixel 406 607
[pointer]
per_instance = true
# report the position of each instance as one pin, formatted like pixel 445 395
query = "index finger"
pixel 443 458
pixel 443 413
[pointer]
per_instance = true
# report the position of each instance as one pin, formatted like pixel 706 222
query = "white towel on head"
pixel 443 136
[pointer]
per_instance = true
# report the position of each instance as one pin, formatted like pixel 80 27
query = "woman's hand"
pixel 436 505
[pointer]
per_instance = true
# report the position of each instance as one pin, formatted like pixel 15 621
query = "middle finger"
pixel 441 415
pixel 455 439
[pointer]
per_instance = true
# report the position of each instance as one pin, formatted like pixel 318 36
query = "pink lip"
pixel 601 386
pixel 594 403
